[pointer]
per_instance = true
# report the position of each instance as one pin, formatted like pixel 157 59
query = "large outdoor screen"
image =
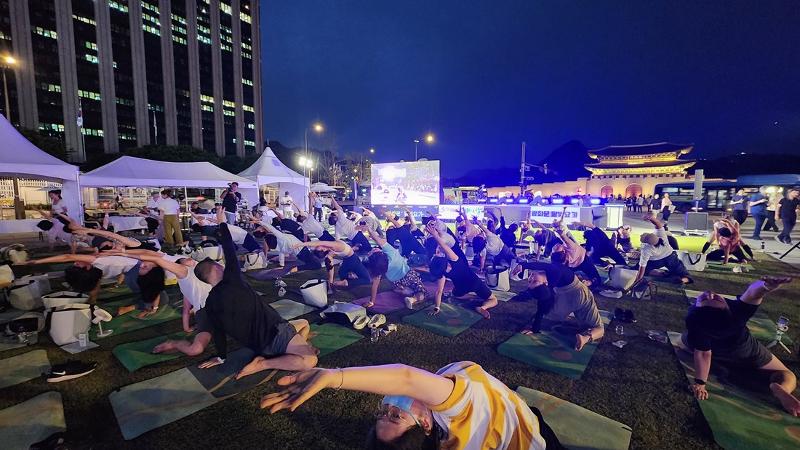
pixel 405 183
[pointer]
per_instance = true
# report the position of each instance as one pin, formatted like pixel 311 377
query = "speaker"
pixel 696 221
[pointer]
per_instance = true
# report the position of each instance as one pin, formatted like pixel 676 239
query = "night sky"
pixel 486 75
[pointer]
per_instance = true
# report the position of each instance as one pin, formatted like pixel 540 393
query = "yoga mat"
pixel 290 309
pixel 219 380
pixel 138 354
pixel 108 293
pixel 549 350
pixel 113 305
pixel 329 337
pixel 129 322
pixel 271 274
pixel 152 403
pixel 451 321
pixel 385 302
pixel 741 419
pixel 570 423
pixel 31 421
pixel 760 325
pixel 23 367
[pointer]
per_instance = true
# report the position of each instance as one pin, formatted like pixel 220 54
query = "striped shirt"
pixel 483 413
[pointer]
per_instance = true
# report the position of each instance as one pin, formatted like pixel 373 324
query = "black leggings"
pixel 588 268
pixel 742 253
pixel 308 260
pixel 362 242
pixel 550 439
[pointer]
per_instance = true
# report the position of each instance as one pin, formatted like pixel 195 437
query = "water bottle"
pixel 281 292
pixel 374 334
pixel 763 247
pixel 620 330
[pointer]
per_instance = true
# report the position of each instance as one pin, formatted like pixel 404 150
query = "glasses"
pixel 394 414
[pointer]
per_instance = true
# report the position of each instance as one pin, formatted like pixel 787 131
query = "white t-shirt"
pixel 238 234
pixel 173 258
pixel 344 226
pixel 60 207
pixel 169 206
pixel 151 205
pixel 113 266
pixel 649 252
pixel 286 242
pixel 286 201
pixel 494 245
pixel 310 225
pixel 194 290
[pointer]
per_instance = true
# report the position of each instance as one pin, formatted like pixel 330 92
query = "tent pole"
pixel 19 212
pixel 80 198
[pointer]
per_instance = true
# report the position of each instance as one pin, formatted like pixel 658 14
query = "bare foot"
pixel 256 365
pixel 292 270
pixel 164 347
pixel 483 312
pixel 790 403
pixel 125 309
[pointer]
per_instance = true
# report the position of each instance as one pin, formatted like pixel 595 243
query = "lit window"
pixel 91 45
pixel 245 18
pixel 247 82
pixel 118 6
pixel 251 126
pixel 225 8
pixel 248 108
pixel 179 40
pixel 150 7
pixel 91 58
pixel 206 98
pixel 84 19
pixel 207 108
pixel 50 87
pixel 45 32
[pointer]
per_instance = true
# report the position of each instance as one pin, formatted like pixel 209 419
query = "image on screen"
pixel 405 183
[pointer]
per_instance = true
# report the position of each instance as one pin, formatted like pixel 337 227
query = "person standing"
pixel 772 205
pixel 739 205
pixel 666 209
pixel 170 209
pixel 317 206
pixel 787 213
pixel 648 203
pixel 639 203
pixel 230 201
pixel 758 209
pixel 286 205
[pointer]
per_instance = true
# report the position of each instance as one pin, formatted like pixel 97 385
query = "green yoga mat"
pixel 570 423
pixel 130 322
pixel 219 380
pixel 138 354
pixel 114 304
pixel 451 321
pixel 290 309
pixel 761 326
pixel 109 293
pixel 741 419
pixel 329 337
pixel 31 421
pixel 549 350
pixel 23 367
pixel 150 404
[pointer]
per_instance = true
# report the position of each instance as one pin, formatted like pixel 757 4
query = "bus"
pixel 718 194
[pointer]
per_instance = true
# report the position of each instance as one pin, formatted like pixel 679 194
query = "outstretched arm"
pixel 374 235
pixel 128 242
pixel 451 255
pixel 392 219
pixel 63 258
pixel 229 251
pixel 654 220
pixel 392 379
pixel 755 293
pixel 336 205
pixel 179 270
pixel 336 246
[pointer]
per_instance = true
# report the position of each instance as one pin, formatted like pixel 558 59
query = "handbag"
pixel 498 280
pixel 315 293
pixel 696 262
pixel 620 278
pixel 253 261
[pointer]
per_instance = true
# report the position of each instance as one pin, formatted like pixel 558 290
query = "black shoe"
pixel 629 316
pixel 70 370
pixel 619 314
pixel 55 441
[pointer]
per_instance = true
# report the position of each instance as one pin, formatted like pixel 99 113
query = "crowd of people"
pixel 419 409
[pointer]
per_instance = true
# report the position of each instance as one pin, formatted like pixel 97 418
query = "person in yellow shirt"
pixel 461 406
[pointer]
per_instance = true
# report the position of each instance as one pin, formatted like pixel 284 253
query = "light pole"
pixel 8 62
pixel 317 128
pixel 429 139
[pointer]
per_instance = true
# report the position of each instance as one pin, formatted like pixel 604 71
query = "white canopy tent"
pixel 19 158
pixel 129 171
pixel 322 188
pixel 269 170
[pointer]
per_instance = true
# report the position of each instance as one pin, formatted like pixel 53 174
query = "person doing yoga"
pixel 716 328
pixel 461 406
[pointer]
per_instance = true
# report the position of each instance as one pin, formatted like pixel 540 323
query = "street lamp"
pixel 307 162
pixel 429 139
pixel 372 150
pixel 8 62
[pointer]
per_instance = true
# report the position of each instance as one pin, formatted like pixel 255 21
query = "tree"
pixel 49 144
pixel 335 174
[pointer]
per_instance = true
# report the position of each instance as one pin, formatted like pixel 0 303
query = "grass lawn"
pixel 641 385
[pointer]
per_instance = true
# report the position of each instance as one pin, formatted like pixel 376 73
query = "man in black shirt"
pixel 230 201
pixel 234 308
pixel 716 325
pixel 787 213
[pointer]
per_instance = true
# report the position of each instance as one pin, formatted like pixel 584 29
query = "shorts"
pixel 250 244
pixel 751 354
pixel 201 322
pixel 413 282
pixel 285 333
pixel 478 287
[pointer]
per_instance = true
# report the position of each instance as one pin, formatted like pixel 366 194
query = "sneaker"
pixel 410 302
pixel 70 370
pixel 376 321
pixel 778 238
pixel 361 323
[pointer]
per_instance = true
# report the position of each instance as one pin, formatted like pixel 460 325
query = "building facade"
pixel 105 76
pixel 627 170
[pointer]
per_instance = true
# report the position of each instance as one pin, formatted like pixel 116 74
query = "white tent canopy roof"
pixel 20 158
pixel 269 169
pixel 321 187
pixel 130 171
